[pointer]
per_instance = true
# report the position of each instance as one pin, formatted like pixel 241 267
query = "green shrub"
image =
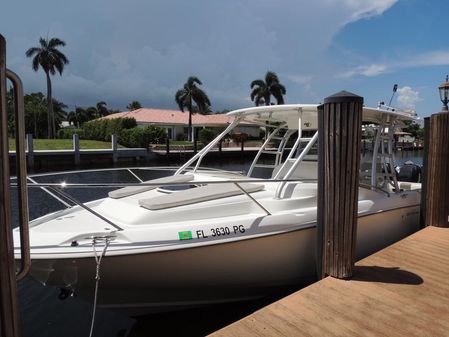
pixel 206 135
pixel 142 137
pixel 102 129
pixel 69 132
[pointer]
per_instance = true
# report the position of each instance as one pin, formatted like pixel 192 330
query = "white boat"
pixel 224 236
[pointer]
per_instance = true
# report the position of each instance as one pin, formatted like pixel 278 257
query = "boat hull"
pixel 214 273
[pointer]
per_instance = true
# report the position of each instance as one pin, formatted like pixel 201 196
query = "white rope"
pixel 98 259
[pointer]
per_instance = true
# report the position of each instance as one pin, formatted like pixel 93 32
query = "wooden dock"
pixel 402 290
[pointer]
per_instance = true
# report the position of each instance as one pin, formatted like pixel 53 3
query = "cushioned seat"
pixel 131 190
pixel 198 194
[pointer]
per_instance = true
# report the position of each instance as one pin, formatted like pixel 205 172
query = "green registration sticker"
pixel 187 235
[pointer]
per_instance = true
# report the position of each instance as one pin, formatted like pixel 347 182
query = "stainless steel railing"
pixel 21 168
pixel 20 159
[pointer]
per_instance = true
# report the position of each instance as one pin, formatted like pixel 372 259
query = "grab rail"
pixel 55 187
pixel 199 156
pixel 21 174
pixel 296 164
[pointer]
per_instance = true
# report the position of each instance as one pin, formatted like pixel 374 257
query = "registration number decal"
pixel 220 231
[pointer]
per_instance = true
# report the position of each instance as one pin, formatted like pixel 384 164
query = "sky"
pixel 145 50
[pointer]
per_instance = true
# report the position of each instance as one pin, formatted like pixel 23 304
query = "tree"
pixel 134 105
pixel 36 114
pixel 78 117
pixel 50 59
pixel 263 90
pixel 190 94
pixel 102 109
pixel 414 129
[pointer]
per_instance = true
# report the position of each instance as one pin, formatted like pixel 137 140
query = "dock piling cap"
pixel 343 97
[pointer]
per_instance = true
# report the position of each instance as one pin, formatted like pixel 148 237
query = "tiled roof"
pixel 173 117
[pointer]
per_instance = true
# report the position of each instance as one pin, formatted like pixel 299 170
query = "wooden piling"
pixel 9 322
pixel 437 172
pixel 339 129
pixel 422 211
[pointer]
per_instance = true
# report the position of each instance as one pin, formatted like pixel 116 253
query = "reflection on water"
pixel 34 299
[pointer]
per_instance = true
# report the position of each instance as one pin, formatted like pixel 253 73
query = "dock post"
pixel 167 145
pixel 422 211
pixel 76 148
pixel 30 151
pixel 114 148
pixel 437 171
pixel 9 320
pixel 339 129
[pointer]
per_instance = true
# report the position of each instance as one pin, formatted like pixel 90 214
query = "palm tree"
pixel 190 94
pixel 134 105
pixel 263 90
pixel 50 59
pixel 102 109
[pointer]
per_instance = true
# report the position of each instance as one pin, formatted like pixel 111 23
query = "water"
pixel 43 314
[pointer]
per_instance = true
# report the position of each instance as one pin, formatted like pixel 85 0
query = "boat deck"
pixel 402 290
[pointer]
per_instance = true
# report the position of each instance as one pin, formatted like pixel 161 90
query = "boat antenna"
pixel 395 88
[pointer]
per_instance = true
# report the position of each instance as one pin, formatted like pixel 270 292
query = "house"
pixel 176 122
pixel 403 137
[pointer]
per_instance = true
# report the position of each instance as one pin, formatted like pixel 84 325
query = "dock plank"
pixel 403 290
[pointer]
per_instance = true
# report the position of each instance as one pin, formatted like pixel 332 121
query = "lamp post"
pixel 444 94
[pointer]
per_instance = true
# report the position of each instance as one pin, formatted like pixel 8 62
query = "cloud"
pixel 145 50
pixel 407 98
pixel 433 58
pixel 370 70
pixel 299 79
pixel 368 9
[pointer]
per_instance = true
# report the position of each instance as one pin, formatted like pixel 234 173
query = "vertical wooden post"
pixel 242 145
pixel 437 171
pixel 339 129
pixel 30 151
pixel 422 213
pixel 9 323
pixel 114 148
pixel 167 145
pixel 220 146
pixel 76 148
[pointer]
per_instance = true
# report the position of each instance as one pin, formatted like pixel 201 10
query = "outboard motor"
pixel 410 172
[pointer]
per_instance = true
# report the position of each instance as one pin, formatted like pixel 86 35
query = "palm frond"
pixel 192 80
pixel 271 78
pixel 180 98
pixel 259 83
pixel 35 63
pixel 30 52
pixel 55 42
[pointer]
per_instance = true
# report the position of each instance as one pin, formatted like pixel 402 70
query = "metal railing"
pixel 20 157
pixel 55 190
pixel 9 318
pixel 19 115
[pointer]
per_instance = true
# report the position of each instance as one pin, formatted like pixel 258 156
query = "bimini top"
pixel 306 115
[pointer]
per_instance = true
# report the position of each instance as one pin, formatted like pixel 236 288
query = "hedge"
pixel 69 132
pixel 142 137
pixel 206 135
pixel 102 129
